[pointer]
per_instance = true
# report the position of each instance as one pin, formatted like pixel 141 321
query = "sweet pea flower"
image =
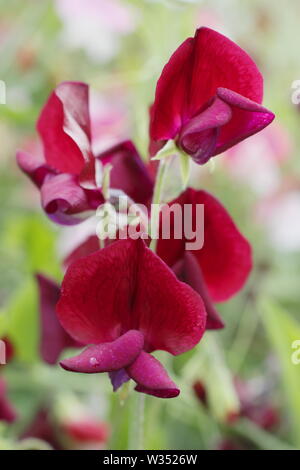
pixel 220 268
pixel 7 411
pixel 208 97
pixel 68 175
pixel 53 339
pixel 125 303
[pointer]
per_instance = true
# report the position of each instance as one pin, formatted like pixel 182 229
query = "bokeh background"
pixel 119 48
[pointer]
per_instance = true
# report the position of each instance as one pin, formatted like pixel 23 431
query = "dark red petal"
pixel 34 168
pixel 151 377
pixel 86 430
pixel 191 78
pixel 248 118
pixel 65 201
pixel 189 271
pixel 64 126
pixel 166 116
pixel 107 357
pixel 199 136
pixel 54 338
pixel 129 173
pixel 7 411
pixel 225 259
pixel 126 286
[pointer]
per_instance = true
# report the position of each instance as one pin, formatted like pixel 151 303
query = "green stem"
pixel 141 419
pixel 155 209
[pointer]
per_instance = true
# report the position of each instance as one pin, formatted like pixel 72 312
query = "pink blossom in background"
pixel 109 119
pixel 257 161
pixel 96 26
pixel 280 214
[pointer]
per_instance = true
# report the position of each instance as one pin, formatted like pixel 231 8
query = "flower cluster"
pixel 122 299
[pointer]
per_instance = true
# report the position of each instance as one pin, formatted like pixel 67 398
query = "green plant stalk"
pixel 155 209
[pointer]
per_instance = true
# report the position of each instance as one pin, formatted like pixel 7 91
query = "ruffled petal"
pixel 54 339
pixel 126 286
pixel 191 78
pixel 225 258
pixel 65 201
pixel 129 173
pixel 189 271
pixel 107 357
pixel 199 136
pixel 248 118
pixel 151 377
pixel 34 168
pixel 64 127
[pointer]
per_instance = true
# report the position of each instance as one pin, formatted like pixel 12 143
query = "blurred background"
pixel 240 386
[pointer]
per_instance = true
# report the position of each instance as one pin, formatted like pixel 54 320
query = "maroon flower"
pixel 208 97
pixel 54 339
pixel 64 433
pixel 127 303
pixel 7 411
pixel 67 175
pixel 217 270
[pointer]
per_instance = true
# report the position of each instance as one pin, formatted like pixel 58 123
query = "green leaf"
pixel 210 368
pixel 283 331
pixel 23 327
pixel 184 168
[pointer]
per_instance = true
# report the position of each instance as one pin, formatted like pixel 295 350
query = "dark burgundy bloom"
pixel 54 339
pixel 87 430
pixel 66 433
pixel 66 176
pixel 127 303
pixel 7 411
pixel 208 97
pixel 219 269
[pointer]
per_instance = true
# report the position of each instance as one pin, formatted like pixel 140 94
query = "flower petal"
pixel 129 173
pixel 151 377
pixel 107 357
pixel 54 339
pixel 126 286
pixel 64 126
pixel 225 258
pixel 199 136
pixel 65 201
pixel 191 78
pixel 248 118
pixel 118 378
pixel 35 169
pixel 189 271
